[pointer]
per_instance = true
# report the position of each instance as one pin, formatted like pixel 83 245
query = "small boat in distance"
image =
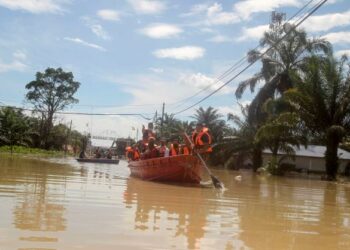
pixel 98 160
pixel 180 169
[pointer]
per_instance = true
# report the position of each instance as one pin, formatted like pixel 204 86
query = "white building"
pixel 312 158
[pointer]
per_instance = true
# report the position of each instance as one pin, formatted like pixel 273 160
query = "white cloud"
pixel 326 22
pixel 338 37
pixel 82 42
pixel 20 55
pixel 201 81
pixel 161 30
pixel 215 16
pixel 99 31
pixel 244 9
pixel 181 53
pixel 33 6
pixel 96 28
pixel 17 63
pixel 253 33
pixel 157 70
pixel 210 15
pixel 220 39
pixel 147 6
pixel 340 53
pixel 109 15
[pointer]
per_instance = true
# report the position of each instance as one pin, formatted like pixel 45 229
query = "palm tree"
pixel 285 59
pixel 15 128
pixel 242 142
pixel 322 101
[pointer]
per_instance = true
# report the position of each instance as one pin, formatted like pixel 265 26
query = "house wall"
pixel 309 163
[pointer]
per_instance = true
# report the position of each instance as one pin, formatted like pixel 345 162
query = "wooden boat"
pixel 180 168
pixel 98 160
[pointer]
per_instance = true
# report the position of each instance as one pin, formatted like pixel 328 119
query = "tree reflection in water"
pixel 165 207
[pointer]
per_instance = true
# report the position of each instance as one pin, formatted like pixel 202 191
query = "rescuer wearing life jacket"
pixel 136 153
pixel 202 139
pixel 185 150
pixel 147 133
pixel 129 153
pixel 174 149
pixel 152 151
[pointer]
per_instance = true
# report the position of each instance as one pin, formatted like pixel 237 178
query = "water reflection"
pixel 45 205
pixel 162 207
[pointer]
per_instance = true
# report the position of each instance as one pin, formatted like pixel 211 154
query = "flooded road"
pixel 62 204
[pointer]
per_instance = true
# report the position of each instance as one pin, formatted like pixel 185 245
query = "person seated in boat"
pixel 97 153
pixel 163 149
pixel 202 139
pixel 109 154
pixel 82 154
pixel 185 150
pixel 152 151
pixel 147 133
pixel 175 149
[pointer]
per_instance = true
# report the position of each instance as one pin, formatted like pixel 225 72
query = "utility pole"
pixel 161 123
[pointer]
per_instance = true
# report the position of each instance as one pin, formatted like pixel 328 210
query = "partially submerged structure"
pixel 312 159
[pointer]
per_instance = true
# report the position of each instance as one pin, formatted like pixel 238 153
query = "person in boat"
pixel 163 149
pixel 136 153
pixel 109 154
pixel 202 139
pixel 82 154
pixel 97 153
pixel 129 153
pixel 152 151
pixel 185 150
pixel 175 148
pixel 147 133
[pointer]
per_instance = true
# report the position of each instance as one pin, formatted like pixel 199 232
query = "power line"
pixel 317 6
pixel 80 113
pixel 237 65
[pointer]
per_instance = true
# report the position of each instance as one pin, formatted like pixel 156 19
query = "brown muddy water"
pixel 62 204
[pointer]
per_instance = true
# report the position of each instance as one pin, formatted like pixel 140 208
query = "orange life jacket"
pixel 173 151
pixel 199 141
pixel 186 151
pixel 136 155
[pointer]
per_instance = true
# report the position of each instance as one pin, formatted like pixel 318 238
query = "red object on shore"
pixel 180 168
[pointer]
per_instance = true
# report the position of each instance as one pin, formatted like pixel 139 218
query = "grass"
pixel 31 151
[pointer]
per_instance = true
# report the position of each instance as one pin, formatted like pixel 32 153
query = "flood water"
pixel 62 204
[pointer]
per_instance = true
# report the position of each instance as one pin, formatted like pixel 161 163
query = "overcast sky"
pixel 132 55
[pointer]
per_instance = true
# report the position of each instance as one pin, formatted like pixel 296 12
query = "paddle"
pixel 216 182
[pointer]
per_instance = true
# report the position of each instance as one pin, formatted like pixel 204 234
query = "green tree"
pixel 50 92
pixel 284 60
pixel 322 101
pixel 15 128
pixel 242 142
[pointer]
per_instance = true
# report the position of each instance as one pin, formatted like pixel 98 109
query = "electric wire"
pixel 317 6
pixel 237 65
pixel 80 113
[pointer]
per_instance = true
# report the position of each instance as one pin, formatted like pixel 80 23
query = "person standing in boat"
pixel 202 139
pixel 147 133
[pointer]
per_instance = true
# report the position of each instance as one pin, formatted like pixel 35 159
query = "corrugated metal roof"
pixel 315 151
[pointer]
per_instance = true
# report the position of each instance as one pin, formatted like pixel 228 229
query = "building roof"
pixel 314 151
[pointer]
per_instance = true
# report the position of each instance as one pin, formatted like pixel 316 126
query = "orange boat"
pixel 180 168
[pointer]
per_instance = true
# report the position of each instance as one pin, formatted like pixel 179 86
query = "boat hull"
pixel 181 168
pixel 105 161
